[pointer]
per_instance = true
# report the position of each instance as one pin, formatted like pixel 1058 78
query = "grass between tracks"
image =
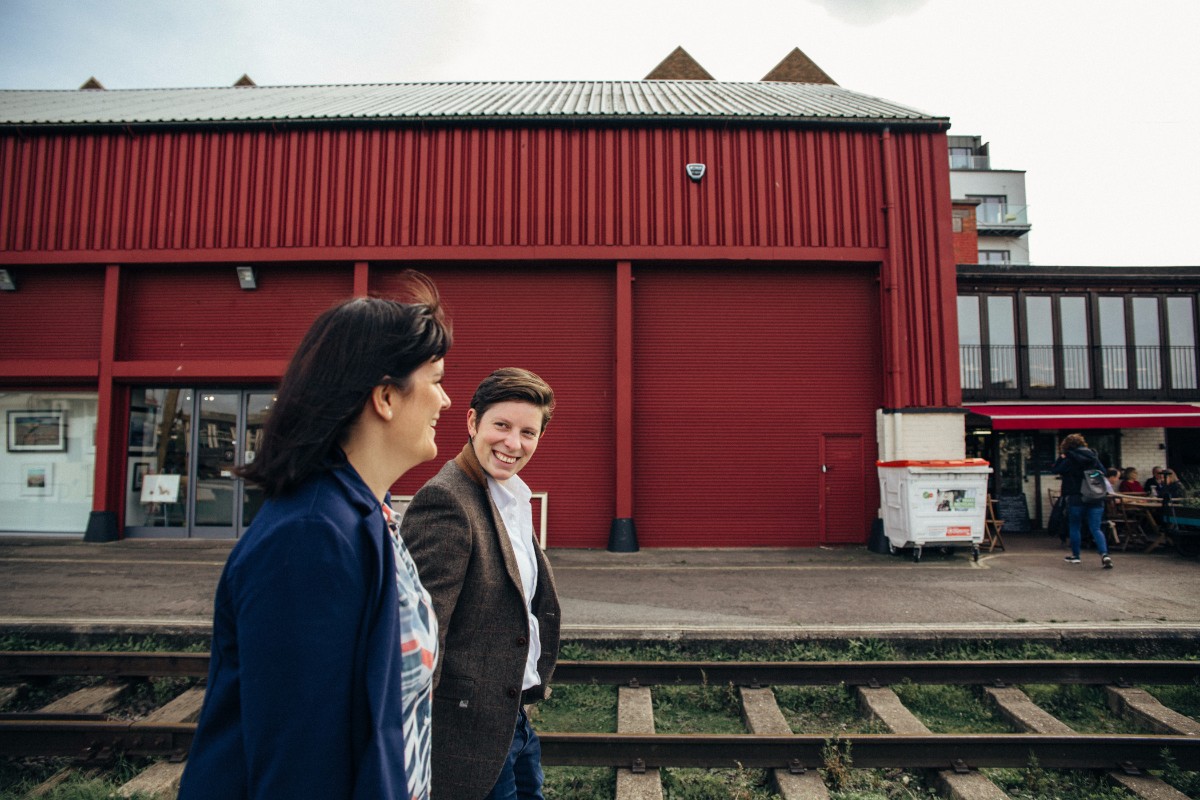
pixel 830 710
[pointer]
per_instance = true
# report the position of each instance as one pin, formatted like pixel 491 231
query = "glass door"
pixel 213 502
pixel 185 446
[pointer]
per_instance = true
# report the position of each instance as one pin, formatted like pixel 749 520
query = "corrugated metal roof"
pixel 617 100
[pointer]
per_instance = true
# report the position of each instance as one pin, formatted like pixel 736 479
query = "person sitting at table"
pixel 1113 477
pixel 1152 486
pixel 1130 483
pixel 1170 488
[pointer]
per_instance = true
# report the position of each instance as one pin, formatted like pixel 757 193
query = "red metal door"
pixel 738 372
pixel 842 488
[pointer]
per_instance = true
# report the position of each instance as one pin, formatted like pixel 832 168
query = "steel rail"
pixel 699 673
pixel 934 751
pixel 21 664
pixel 877 673
pixel 88 740
pixel 103 740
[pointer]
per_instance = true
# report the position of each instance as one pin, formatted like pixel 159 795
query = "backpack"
pixel 1093 488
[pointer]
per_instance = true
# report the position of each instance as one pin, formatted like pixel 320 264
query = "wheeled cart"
pixel 933 504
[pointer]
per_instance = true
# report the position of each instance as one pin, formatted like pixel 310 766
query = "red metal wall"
pixel 55 314
pixel 407 187
pixel 199 312
pixel 559 322
pixel 737 374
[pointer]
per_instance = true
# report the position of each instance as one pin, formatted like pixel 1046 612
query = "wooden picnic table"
pixel 1147 511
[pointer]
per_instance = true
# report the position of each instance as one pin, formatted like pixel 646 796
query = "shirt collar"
pixel 509 492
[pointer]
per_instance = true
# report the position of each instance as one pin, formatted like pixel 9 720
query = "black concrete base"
pixel 622 536
pixel 101 527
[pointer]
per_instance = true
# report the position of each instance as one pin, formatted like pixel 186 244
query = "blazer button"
pixel 513 693
pixel 522 641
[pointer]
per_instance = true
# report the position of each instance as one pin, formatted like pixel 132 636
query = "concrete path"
pixel 1026 592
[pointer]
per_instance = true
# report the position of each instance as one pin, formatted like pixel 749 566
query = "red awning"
pixel 1079 417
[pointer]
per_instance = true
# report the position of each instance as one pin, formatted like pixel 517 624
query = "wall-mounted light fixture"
pixel 695 172
pixel 246 278
pixel 7 284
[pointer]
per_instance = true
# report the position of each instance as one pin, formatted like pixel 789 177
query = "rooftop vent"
pixel 245 80
pixel 679 66
pixel 798 68
pixel 92 83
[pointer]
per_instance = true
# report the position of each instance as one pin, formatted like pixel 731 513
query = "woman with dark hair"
pixel 324 639
pixel 1074 460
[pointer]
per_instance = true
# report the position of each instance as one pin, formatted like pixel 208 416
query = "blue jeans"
pixel 1075 516
pixel 521 776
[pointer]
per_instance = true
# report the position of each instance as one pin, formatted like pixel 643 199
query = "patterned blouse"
pixel 418 647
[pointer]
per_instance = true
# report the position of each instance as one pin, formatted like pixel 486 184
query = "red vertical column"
pixel 103 525
pixel 622 535
pixel 362 278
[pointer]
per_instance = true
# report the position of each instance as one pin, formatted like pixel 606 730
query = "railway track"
pixel 79 726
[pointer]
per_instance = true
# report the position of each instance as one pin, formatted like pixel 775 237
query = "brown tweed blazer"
pixel 462 551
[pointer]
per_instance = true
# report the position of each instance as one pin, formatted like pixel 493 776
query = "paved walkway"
pixel 1026 592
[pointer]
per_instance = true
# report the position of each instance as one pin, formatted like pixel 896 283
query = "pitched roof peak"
pixel 679 66
pixel 798 68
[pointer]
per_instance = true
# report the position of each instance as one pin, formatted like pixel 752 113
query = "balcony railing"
pixel 1001 215
pixel 964 161
pixel 1078 372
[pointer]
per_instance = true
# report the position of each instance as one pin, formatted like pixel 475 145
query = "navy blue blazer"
pixel 303 694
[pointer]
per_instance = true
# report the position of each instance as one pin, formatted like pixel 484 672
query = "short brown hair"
pixel 1073 441
pixel 514 383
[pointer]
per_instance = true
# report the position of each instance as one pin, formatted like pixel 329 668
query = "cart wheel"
pixel 892 548
pixel 917 555
pixel 974 553
pixel 945 550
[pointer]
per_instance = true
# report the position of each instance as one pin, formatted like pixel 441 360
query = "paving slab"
pixel 1025 592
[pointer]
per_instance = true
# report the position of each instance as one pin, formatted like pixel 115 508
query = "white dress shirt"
pixel 513 499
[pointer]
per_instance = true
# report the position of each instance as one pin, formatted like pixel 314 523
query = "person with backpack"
pixel 1085 487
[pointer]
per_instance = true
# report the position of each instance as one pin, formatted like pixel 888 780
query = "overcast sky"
pixel 1096 99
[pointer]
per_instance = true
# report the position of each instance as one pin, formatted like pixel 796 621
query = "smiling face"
pixel 505 437
pixel 416 413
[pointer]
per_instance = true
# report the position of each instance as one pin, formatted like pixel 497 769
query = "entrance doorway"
pixel 185 446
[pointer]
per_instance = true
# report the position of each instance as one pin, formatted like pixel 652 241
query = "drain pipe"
pixel 888 279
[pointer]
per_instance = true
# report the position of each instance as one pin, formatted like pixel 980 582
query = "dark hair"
pixel 514 383
pixel 349 350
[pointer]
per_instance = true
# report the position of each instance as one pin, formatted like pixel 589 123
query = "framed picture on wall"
pixel 37 431
pixel 140 469
pixel 143 432
pixel 37 480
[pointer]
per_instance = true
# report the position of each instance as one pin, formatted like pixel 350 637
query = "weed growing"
pixel 577 709
pixel 78 785
pixel 822 709
pixel 1187 782
pixel 847 783
pixel 1036 783
pixel 1184 699
pixel 697 709
pixel 950 709
pixel 706 784
pixel 1083 708
pixel 579 783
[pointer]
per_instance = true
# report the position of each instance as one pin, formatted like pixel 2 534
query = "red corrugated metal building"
pixel 732 353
